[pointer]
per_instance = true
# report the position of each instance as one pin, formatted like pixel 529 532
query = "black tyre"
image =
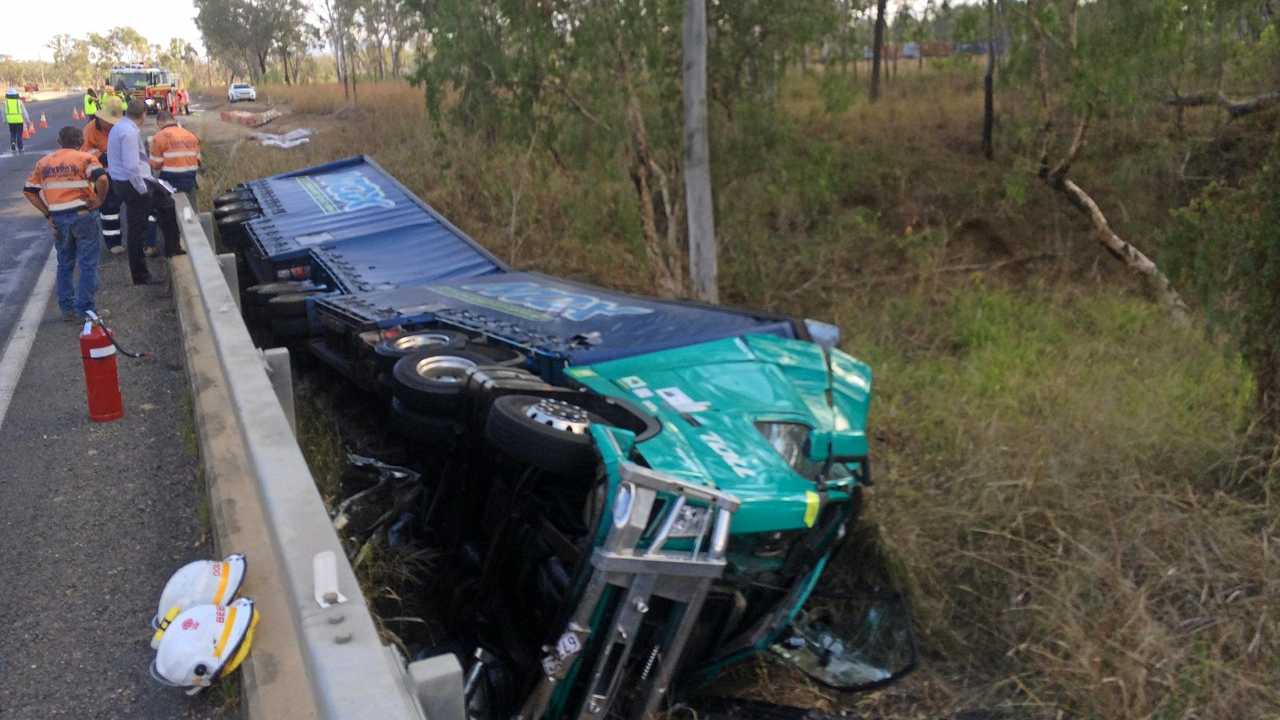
pixel 236 218
pixel 235 207
pixel 547 433
pixel 292 305
pixel 234 195
pixel 266 292
pixel 420 427
pixel 390 351
pixel 433 381
pixel 231 230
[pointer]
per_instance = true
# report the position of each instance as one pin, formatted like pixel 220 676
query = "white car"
pixel 241 91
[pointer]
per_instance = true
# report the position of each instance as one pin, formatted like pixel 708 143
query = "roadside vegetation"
pixel 1060 466
pixel 1075 465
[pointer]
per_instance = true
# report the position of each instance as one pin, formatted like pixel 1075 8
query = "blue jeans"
pixel 15 134
pixel 79 242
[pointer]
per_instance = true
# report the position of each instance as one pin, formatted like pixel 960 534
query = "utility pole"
pixel 697 155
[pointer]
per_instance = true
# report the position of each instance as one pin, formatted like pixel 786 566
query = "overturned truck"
pixel 627 495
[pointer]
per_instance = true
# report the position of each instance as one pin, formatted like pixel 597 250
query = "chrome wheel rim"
pixel 419 341
pixel 444 368
pixel 560 415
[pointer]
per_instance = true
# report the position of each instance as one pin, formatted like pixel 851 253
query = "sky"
pixel 31 24
pixel 25 34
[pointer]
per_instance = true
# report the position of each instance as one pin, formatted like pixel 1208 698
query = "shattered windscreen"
pixel 867 649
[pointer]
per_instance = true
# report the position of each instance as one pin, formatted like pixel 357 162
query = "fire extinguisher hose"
pixel 93 318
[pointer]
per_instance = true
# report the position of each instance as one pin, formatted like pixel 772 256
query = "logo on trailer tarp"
pixel 345 192
pixel 557 301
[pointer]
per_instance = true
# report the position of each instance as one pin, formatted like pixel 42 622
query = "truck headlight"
pixel 688 523
pixel 791 441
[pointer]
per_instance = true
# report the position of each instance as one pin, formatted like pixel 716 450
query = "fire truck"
pixel 147 84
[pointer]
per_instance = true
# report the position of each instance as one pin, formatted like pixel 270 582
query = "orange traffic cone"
pixel 43 123
pixel 75 114
pixel 26 132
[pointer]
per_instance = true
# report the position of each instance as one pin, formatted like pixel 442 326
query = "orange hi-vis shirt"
pixel 64 179
pixel 175 150
pixel 95 140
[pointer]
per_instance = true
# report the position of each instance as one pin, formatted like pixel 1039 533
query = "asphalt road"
pixel 24 237
pixel 94 517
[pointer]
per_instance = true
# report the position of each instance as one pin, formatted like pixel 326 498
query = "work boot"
pixel 70 316
pixel 13 148
pixel 117 249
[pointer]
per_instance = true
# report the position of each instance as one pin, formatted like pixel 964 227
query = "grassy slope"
pixel 1053 456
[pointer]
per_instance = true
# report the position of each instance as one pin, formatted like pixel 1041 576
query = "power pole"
pixel 697 155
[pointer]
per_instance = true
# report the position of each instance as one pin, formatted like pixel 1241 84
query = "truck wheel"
pixel 432 381
pixel 292 305
pixel 233 196
pixel 237 218
pixel 547 433
pixel 390 351
pixel 262 295
pixel 236 206
pixel 420 427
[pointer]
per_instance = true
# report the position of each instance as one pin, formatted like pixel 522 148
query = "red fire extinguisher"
pixel 102 382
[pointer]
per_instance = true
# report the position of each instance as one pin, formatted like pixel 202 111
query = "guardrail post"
pixel 206 222
pixel 227 261
pixel 437 682
pixel 281 374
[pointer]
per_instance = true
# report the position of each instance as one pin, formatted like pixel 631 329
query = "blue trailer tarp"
pixel 558 319
pixel 340 186
pixel 418 254
pixel 351 201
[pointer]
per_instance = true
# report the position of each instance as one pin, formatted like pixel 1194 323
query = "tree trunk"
pixel 877 49
pixel 988 85
pixel 284 58
pixel 697 155
pixel 351 70
pixel 1234 108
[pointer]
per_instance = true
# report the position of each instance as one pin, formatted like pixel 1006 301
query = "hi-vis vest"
pixel 90 105
pixel 63 179
pixel 176 149
pixel 13 111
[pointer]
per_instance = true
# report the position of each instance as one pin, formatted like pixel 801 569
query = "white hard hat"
pixel 205 643
pixel 203 582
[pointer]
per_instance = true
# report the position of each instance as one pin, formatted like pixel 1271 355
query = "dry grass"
pixel 1054 457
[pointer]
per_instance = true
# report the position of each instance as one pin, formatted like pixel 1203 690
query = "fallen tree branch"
pixel 966 267
pixel 1235 108
pixel 1126 252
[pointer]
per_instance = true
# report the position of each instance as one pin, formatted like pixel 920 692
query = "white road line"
pixel 14 358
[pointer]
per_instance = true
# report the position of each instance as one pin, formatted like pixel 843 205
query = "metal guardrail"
pixel 350 672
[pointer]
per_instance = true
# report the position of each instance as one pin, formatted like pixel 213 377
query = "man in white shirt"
pixel 130 172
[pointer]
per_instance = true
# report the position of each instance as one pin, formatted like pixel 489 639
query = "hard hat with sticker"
pixel 203 582
pixel 205 643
